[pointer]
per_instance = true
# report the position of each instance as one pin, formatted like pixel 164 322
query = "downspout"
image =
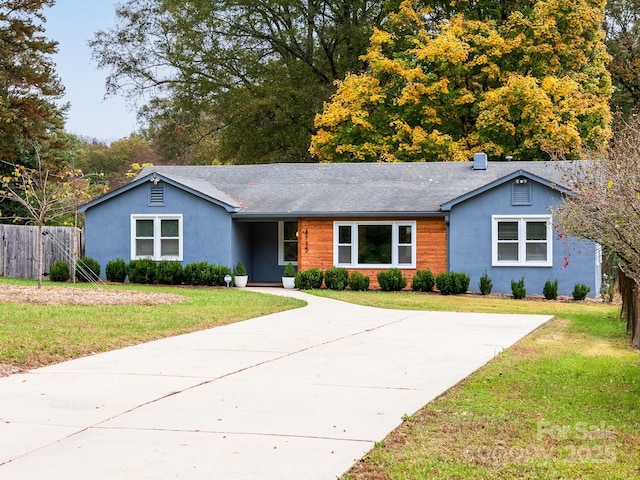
pixel 446 222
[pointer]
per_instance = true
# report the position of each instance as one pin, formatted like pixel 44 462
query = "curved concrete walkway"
pixel 295 395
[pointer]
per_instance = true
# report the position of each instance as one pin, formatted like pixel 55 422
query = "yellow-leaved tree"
pixel 528 83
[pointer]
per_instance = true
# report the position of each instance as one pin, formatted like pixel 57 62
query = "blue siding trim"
pixel 447 206
pixel 143 180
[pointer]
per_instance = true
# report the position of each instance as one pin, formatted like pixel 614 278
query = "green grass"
pixel 36 335
pixel 564 402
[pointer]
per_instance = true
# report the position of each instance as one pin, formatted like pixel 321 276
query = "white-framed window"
pixel 374 244
pixel 158 237
pixel 288 242
pixel 522 240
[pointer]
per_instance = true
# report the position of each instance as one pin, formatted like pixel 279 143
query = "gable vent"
pixel 156 194
pixel 521 193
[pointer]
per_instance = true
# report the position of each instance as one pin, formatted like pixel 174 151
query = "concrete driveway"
pixel 295 395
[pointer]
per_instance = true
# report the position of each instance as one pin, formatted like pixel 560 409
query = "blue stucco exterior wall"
pixel 469 244
pixel 208 229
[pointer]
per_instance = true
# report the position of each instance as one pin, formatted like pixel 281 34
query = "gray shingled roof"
pixel 346 188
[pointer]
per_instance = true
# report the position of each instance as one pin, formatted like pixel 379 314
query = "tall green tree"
pixel 29 86
pixel 623 42
pixel 526 79
pixel 246 76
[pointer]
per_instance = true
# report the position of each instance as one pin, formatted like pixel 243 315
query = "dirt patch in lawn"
pixel 77 296
pixel 83 296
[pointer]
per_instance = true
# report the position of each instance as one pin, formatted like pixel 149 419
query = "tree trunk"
pixel 40 255
pixel 635 340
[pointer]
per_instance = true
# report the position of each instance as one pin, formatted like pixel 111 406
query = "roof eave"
pixel 284 215
pixel 152 176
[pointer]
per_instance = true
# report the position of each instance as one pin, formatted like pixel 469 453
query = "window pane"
pixel 508 252
pixel 144 228
pixel 404 234
pixel 374 244
pixel 291 251
pixel 169 228
pixel 290 230
pixel 404 255
pixel 507 230
pixel 536 230
pixel 344 255
pixel 344 234
pixel 170 248
pixel 144 248
pixel 537 251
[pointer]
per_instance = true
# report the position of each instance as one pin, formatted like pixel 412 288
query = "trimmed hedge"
pixel 169 273
pixel 309 279
pixel 453 283
pixel 423 281
pixel 485 284
pixel 59 271
pixel 391 280
pixel 116 270
pixel 517 289
pixel 87 270
pixel 550 290
pixel 358 282
pixel 336 278
pixel 580 291
pixel 197 273
pixel 218 273
pixel 142 271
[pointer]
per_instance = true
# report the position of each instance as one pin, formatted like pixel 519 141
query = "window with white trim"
pixel 158 237
pixel 522 240
pixel 374 244
pixel 288 242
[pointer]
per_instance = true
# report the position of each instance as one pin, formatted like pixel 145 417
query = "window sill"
pixel 527 265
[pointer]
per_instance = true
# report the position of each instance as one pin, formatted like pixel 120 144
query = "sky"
pixel 72 24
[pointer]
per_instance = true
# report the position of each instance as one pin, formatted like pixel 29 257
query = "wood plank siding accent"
pixel 315 245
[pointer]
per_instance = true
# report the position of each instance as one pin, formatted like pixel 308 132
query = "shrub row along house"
pixel 473 217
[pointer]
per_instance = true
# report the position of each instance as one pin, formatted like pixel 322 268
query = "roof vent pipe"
pixel 480 161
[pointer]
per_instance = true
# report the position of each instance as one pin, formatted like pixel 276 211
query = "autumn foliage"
pixel 526 83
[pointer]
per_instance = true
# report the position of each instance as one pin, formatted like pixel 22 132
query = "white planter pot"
pixel 240 281
pixel 289 282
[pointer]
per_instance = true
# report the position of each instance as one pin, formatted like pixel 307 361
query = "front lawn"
pixel 562 403
pixel 36 335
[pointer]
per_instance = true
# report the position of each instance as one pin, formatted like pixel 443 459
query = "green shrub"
pixel 485 284
pixel 142 271
pixel 59 271
pixel 218 272
pixel 550 290
pixel 453 283
pixel 198 273
pixel 241 271
pixel 358 282
pixel 336 278
pixel 116 270
pixel 87 270
pixel 517 289
pixel 309 279
pixel 169 273
pixel 423 281
pixel 289 270
pixel 580 291
pixel 391 280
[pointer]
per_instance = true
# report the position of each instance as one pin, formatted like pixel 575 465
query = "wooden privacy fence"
pixel 19 252
pixel 630 292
